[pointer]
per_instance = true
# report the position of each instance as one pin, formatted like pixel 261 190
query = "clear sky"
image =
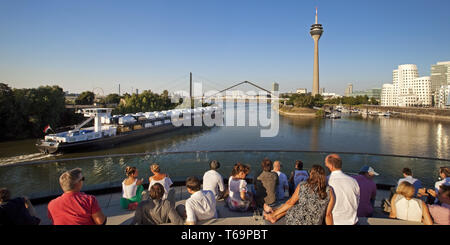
pixel 154 44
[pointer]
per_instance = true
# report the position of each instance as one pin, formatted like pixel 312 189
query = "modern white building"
pixel 407 88
pixel 302 91
pixel 440 76
pixel 443 97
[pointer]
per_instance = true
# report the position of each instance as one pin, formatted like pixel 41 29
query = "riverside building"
pixel 440 79
pixel 407 88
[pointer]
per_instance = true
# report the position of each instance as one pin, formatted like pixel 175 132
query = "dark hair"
pixel 267 165
pixel 445 171
pixel 156 191
pixel 239 167
pixel 193 183
pixel 445 190
pixel 317 181
pixel 407 171
pixel 5 194
pixel 298 165
pixel 334 160
pixel 130 170
pixel 214 165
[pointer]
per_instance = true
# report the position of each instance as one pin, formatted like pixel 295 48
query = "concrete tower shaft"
pixel 316 32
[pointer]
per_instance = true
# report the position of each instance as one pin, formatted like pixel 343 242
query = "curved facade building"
pixel 407 88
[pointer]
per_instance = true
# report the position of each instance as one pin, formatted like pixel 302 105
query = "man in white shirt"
pixel 213 181
pixel 200 206
pixel 346 190
pixel 283 184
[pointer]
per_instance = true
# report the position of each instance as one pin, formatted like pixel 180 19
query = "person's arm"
pixel 426 215
pixel 221 184
pixel 139 182
pixel 99 218
pixel 174 217
pixel 329 212
pixel 393 213
pixel 281 211
pixel 190 215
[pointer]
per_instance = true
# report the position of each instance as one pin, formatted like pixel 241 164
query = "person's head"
pixel 155 168
pixel 406 172
pixel 444 172
pixel 240 170
pixel 156 191
pixel 71 180
pixel 193 184
pixel 333 162
pixel 213 165
pixel 266 165
pixel 5 195
pixel 276 166
pixel 298 165
pixel 368 171
pixel 444 194
pixel 406 189
pixel 318 180
pixel 131 171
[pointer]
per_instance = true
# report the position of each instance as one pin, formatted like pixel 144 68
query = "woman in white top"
pixel 405 207
pixel 131 189
pixel 164 180
pixel 239 199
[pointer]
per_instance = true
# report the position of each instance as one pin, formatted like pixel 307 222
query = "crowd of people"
pixel 313 197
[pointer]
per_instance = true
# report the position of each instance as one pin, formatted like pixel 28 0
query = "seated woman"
pixel 405 207
pixel 156 211
pixel 440 211
pixel 239 199
pixel 315 202
pixel 131 189
pixel 164 180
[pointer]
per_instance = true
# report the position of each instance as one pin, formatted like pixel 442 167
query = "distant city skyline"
pixel 81 45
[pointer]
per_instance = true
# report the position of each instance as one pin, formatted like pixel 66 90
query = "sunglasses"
pixel 82 179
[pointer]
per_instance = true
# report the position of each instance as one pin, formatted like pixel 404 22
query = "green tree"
pixel 85 98
pixel 112 99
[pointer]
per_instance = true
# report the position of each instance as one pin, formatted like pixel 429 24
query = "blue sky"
pixel 81 45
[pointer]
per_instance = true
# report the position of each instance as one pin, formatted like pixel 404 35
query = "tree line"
pixel 24 113
pixel 307 100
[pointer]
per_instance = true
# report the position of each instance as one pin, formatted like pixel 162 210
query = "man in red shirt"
pixel 74 207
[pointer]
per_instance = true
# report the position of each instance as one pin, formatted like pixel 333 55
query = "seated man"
pixel 17 211
pixel 74 207
pixel 213 181
pixel 200 206
pixel 156 211
pixel 367 190
pixel 266 185
pixel 408 176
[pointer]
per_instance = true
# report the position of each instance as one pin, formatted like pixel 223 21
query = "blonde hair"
pixel 68 179
pixel 406 189
pixel 155 168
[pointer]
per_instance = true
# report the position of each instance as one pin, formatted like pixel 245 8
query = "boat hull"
pixel 105 142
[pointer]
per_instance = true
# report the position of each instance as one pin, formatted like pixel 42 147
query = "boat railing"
pixel 39 179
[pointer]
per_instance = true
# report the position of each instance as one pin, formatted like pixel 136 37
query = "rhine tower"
pixel 316 32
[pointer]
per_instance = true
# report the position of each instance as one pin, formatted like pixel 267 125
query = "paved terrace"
pixel 110 204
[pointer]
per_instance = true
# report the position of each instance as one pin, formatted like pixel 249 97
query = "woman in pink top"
pixel 441 213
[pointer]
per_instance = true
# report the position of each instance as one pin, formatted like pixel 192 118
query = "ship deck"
pixel 110 204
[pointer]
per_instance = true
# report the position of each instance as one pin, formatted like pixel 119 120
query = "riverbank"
pixel 292 111
pixel 412 112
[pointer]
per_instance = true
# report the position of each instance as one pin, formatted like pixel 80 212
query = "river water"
pixel 352 133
